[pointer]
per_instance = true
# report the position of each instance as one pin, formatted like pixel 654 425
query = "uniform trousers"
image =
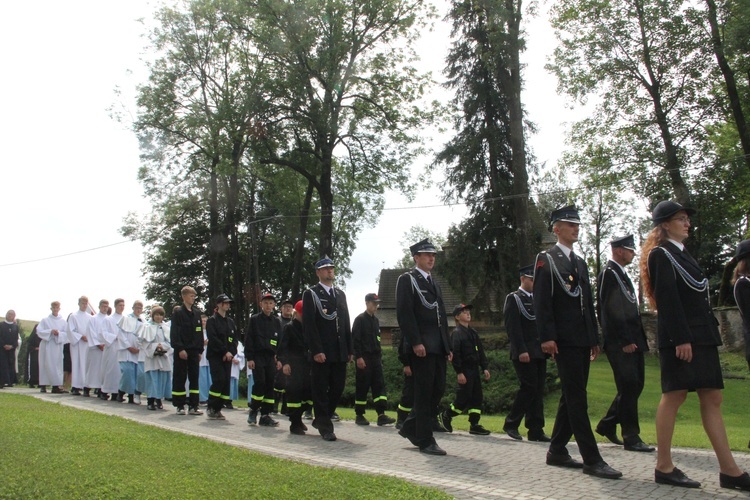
pixel 406 402
pixel 328 380
pixel 221 375
pixel 185 369
pixel 469 397
pixel 529 402
pixel 298 390
pixel 370 377
pixel 629 372
pixel 572 414
pixel 263 397
pixel 429 385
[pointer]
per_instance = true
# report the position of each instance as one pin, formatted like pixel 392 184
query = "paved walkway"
pixel 492 466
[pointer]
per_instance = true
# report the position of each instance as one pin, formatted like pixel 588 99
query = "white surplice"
pixel 110 366
pixel 78 326
pixel 97 326
pixel 151 335
pixel 51 350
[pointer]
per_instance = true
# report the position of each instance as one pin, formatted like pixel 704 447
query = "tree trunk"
pixel 215 248
pixel 526 252
pixel 326 205
pixel 233 194
pixel 299 252
pixel 731 84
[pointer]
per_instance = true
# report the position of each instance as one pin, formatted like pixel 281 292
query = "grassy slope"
pixel 60 452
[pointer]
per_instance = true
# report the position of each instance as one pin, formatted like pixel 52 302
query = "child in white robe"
pixel 154 339
pixel 238 363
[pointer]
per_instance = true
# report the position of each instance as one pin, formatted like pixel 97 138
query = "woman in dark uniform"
pixel 688 336
pixel 741 282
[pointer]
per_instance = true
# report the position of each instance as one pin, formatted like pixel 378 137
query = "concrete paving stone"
pixel 492 466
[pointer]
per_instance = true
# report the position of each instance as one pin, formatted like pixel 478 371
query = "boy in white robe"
pixel 52 332
pixel 154 341
pixel 128 354
pixel 97 326
pixel 78 326
pixel 238 363
pixel 110 366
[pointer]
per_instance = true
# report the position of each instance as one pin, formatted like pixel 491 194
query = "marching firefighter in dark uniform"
pixel 367 353
pixel 421 315
pixel 186 338
pixel 406 402
pixel 624 343
pixel 325 318
pixel 294 357
pixel 220 351
pixel 470 364
pixel 279 382
pixel 528 360
pixel 261 343
pixel 566 322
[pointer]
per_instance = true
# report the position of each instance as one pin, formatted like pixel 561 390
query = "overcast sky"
pixel 69 170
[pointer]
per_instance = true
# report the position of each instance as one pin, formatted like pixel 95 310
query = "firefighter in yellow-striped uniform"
pixel 221 349
pixel 294 357
pixel 366 341
pixel 261 343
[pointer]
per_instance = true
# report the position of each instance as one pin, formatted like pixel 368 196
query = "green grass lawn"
pixel 53 451
pixel 688 432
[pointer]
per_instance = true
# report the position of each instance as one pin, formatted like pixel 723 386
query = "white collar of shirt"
pixel 326 288
pixel 565 249
pixel 677 244
pixel 528 294
pixel 423 273
pixel 618 265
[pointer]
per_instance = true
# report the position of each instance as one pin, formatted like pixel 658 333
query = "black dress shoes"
pixel 411 437
pixel 433 449
pixel 639 446
pixel 542 438
pixel 675 478
pixel 602 470
pixel 563 461
pixel 328 436
pixel 735 482
pixel 513 433
pixel 612 436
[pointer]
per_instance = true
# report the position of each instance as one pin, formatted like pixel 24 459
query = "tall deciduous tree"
pixel 341 89
pixel 649 65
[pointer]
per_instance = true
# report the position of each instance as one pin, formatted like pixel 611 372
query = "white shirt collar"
pixel 677 244
pixel 326 287
pixel 423 273
pixel 565 249
pixel 528 294
pixel 618 265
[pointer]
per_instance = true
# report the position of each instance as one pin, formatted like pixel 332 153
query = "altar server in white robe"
pixel 52 332
pixel 97 326
pixel 78 326
pixel 128 354
pixel 154 340
pixel 110 365
pixel 234 382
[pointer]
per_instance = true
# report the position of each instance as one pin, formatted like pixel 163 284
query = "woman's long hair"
pixel 654 239
pixel 741 269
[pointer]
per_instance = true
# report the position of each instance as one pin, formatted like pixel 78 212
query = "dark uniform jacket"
pixel 262 338
pixel 468 353
pixel 332 337
pixel 8 334
pixel 222 336
pixel 293 346
pixel 420 324
pixel 186 330
pixel 685 315
pixel 742 297
pixel 569 321
pixel 618 310
pixel 366 335
pixel 521 330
